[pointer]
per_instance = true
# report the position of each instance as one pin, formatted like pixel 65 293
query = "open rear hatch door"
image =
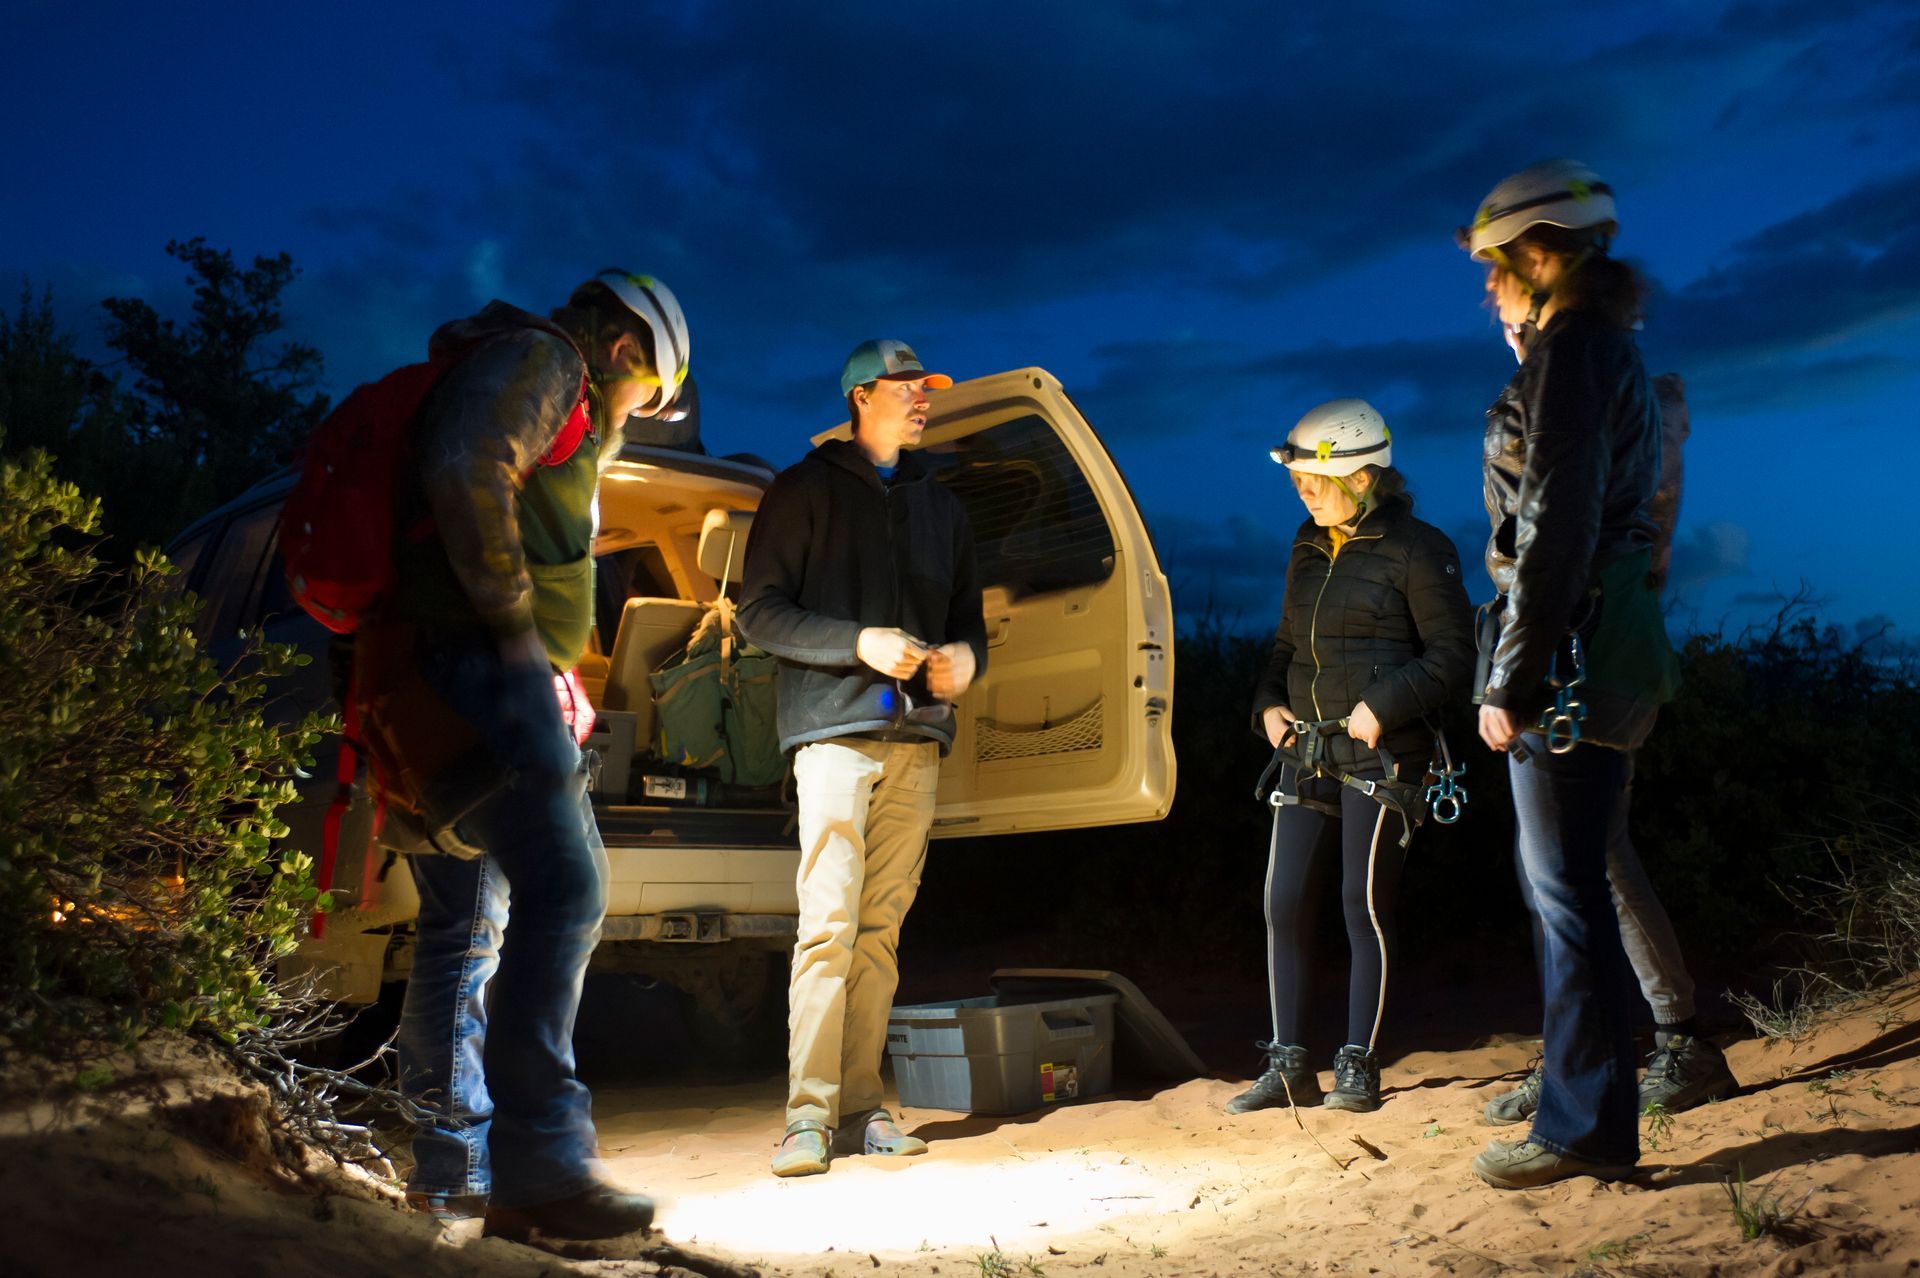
pixel 1071 724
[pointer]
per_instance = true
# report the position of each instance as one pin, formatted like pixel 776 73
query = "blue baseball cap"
pixel 883 357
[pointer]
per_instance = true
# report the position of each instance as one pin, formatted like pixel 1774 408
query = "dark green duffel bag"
pixel 715 704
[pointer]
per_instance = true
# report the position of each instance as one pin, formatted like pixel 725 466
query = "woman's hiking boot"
pixel 1356 1080
pixel 1516 1106
pixel 1287 1080
pixel 1685 1071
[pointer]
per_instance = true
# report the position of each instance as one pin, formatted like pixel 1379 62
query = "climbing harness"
pixel 1306 758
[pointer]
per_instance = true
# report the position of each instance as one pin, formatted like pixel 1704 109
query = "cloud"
pixel 1424 387
pixel 1709 552
pixel 1812 311
pixel 1231 572
pixel 799 191
pixel 1794 313
pixel 1223 149
pixel 1879 636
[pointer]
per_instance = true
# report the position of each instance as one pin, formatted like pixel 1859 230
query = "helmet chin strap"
pixel 1362 501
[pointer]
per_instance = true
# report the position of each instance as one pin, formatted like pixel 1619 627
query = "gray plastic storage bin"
pixel 1003 1053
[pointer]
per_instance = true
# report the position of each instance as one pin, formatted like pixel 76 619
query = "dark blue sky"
pixel 1204 218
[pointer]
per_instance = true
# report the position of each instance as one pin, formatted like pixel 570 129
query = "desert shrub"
pixel 1769 757
pixel 139 882
pixel 1861 923
pixel 1778 744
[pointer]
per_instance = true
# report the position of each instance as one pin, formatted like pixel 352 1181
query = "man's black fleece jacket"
pixel 834 549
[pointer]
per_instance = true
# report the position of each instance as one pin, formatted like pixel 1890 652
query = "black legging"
pixel 1371 860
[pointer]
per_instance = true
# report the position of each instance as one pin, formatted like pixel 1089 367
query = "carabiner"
pixel 1445 797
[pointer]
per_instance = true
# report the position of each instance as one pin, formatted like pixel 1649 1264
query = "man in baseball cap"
pixel 860 578
pixel 883 359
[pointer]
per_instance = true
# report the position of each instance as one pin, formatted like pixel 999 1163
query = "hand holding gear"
pixel 1498 728
pixel 950 670
pixel 1363 727
pixel 890 650
pixel 1278 721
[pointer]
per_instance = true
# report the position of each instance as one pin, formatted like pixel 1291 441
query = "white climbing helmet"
pixel 1558 193
pixel 1337 438
pixel 655 303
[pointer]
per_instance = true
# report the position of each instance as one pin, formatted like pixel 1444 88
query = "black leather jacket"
pixel 1385 621
pixel 1572 460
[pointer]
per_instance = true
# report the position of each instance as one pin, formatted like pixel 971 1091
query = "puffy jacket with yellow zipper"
pixel 1385 620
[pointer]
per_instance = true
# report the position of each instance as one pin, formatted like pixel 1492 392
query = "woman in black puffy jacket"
pixel 1375 637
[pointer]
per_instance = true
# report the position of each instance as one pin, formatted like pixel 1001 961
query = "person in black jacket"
pixel 860 578
pixel 1375 637
pixel 1581 663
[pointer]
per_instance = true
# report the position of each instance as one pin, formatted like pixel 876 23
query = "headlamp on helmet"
pixel 1337 438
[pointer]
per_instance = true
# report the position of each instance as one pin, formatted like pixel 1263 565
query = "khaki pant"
pixel 865 808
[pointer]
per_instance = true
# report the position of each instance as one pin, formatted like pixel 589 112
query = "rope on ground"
pixel 1295 1111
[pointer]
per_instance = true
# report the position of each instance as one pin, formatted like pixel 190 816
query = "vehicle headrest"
pixel 723 544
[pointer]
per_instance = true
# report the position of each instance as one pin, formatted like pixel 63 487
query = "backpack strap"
pixel 346 769
pixel 578 425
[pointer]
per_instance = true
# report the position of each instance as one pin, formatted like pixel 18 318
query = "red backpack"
pixel 337 529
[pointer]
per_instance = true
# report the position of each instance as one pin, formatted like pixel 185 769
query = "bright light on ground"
pixel 864 1205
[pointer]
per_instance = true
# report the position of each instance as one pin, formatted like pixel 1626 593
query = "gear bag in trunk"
pixel 716 703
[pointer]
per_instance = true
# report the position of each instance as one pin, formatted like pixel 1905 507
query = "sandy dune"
pixel 1162 1183
pixel 1168 1183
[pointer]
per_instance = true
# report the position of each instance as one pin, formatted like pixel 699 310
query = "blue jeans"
pixel 486 1034
pixel 1653 948
pixel 1564 808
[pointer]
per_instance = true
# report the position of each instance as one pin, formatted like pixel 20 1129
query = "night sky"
pixel 1204 218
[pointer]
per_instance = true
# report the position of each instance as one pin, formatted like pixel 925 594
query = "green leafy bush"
pixel 139 882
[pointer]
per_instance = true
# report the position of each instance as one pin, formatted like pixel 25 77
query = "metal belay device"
pixel 1305 756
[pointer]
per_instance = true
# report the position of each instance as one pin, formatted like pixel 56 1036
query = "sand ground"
pixel 167 1172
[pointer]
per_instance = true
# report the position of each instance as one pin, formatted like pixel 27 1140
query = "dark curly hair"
pixel 1601 284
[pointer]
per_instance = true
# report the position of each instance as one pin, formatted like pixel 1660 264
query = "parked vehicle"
pixel 1070 725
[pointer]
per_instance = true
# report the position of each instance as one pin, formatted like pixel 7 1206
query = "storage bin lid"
pixel 1145 1043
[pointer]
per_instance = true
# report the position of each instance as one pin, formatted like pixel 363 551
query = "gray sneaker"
pixel 803 1150
pixel 1516 1106
pixel 1524 1165
pixel 1685 1071
pixel 875 1132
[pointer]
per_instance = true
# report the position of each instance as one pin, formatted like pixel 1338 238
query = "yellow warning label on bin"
pixel 1059 1082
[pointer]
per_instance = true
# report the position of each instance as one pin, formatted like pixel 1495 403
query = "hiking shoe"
pixel 1516 1106
pixel 803 1150
pixel 447 1209
pixel 1356 1080
pixel 1685 1071
pixel 598 1211
pixel 875 1133
pixel 1521 1164
pixel 1286 1081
